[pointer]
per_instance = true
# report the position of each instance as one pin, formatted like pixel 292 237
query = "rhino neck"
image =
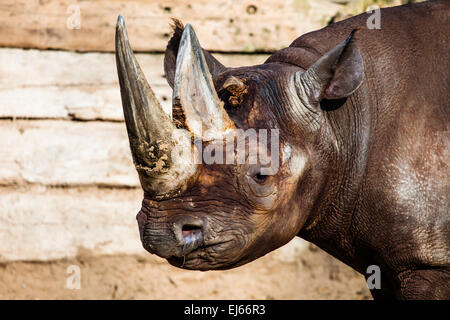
pixel 332 224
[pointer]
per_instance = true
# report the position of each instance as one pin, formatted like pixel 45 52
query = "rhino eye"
pixel 260 178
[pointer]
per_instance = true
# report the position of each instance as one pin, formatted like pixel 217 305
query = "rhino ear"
pixel 336 75
pixel 170 57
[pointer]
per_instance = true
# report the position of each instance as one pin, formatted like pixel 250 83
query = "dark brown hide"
pixel 364 151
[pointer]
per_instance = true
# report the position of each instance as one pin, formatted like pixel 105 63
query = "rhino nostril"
pixel 191 233
pixel 190 230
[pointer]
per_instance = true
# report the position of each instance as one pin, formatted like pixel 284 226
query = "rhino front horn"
pixel 194 91
pixel 152 135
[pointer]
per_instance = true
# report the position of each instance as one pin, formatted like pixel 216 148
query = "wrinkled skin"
pixel 364 176
pixel 243 218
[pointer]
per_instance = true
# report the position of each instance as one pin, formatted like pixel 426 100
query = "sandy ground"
pixel 309 274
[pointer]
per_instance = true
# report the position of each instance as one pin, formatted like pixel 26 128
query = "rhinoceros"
pixel 351 152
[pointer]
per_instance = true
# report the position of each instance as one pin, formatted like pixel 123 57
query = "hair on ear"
pixel 170 56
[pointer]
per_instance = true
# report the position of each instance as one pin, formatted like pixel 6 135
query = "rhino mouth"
pixel 201 258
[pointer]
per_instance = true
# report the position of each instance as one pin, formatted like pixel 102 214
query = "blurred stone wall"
pixel 67 182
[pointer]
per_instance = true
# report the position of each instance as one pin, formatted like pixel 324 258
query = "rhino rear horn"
pixel 170 56
pixel 194 91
